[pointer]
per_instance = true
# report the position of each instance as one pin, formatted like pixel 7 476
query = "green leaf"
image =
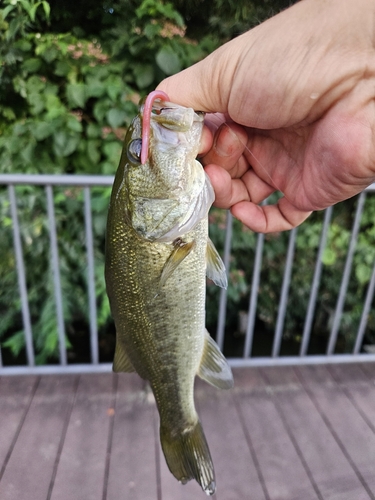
pixel 64 143
pixel 100 109
pixel 168 61
pixel 27 153
pixel 47 8
pixel 93 131
pixel 23 45
pixel 50 54
pixel 32 10
pixel 94 87
pixel 114 86
pixel 144 75
pixel 6 11
pixel 63 68
pixel 54 106
pixel 42 130
pixel 113 151
pixel 329 257
pixel 116 117
pixel 74 124
pixel 93 151
pixel 151 30
pixel 363 273
pixel 7 113
pixel 76 94
pixel 37 103
pixel 32 65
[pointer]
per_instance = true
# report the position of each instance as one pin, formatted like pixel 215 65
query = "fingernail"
pixel 226 142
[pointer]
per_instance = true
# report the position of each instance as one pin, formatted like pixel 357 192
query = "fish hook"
pixel 147 109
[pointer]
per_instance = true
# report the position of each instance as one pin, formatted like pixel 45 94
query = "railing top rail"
pixel 57 179
pixel 72 180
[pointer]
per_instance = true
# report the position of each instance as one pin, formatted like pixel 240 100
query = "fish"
pixel 158 254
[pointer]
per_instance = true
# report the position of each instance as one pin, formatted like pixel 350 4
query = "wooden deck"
pixel 282 434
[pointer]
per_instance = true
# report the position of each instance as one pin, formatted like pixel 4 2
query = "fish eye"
pixel 134 150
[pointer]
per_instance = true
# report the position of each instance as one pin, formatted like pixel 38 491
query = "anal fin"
pixel 214 368
pixel 121 362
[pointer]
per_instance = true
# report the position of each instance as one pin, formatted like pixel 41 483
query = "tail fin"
pixel 188 457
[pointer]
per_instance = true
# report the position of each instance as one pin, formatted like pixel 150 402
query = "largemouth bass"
pixel 157 256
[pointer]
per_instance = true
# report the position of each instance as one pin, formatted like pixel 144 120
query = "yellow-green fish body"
pixel 157 253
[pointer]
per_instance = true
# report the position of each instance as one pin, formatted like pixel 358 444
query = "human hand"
pixel 293 103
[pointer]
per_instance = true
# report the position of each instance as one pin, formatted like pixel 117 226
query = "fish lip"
pixel 160 105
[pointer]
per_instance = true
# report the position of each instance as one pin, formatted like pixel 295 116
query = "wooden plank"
pixel 352 374
pixel 351 432
pixel 236 473
pixel 81 467
pixel 369 370
pixel 359 389
pixel 283 473
pixel 132 465
pixel 331 472
pixel 15 397
pixel 30 468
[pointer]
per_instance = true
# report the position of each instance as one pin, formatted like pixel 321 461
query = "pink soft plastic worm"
pixel 152 96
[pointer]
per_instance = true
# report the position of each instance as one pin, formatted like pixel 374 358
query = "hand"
pixel 293 110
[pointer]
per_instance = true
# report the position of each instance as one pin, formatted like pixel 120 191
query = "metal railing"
pixel 87 183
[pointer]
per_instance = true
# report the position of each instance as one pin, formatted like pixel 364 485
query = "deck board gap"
pixel 354 403
pixel 110 436
pixel 292 438
pixel 62 437
pixel 19 427
pixel 334 433
pixel 237 405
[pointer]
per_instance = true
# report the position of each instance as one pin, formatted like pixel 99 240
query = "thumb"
pixel 201 86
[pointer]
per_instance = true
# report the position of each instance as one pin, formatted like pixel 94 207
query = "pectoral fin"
pixel 121 362
pixel 214 368
pixel 215 266
pixel 180 251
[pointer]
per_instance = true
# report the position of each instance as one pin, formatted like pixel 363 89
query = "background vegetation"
pixel 71 75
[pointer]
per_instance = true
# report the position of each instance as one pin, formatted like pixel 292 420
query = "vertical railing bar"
pixel 91 278
pixel 284 294
pixel 224 292
pixel 315 284
pixel 345 280
pixel 254 296
pixel 365 313
pixel 56 274
pixel 21 274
